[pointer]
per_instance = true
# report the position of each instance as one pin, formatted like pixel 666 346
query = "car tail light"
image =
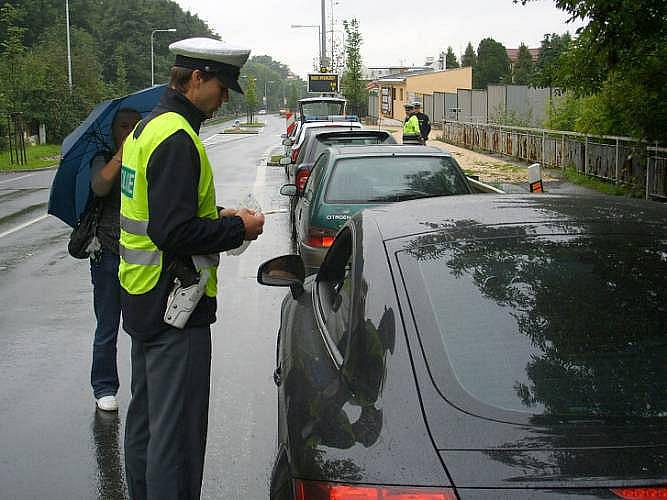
pixel 295 153
pixel 641 493
pixel 301 178
pixel 320 238
pixel 312 490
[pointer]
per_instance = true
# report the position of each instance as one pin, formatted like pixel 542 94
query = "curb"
pixel 41 169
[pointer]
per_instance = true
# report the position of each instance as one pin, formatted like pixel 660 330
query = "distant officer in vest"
pixel 411 132
pixel 171 235
pixel 424 121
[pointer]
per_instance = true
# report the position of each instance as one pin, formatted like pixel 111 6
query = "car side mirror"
pixel 283 136
pixel 289 190
pixel 285 160
pixel 286 270
pixel 287 142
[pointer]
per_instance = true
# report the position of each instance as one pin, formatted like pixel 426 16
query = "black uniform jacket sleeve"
pixel 173 177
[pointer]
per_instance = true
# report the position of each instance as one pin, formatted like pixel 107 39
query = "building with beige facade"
pixel 393 91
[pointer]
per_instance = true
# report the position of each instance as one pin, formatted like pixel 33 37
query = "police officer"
pixel 170 223
pixel 424 121
pixel 411 131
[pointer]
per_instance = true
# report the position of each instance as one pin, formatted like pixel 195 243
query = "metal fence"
pixel 621 160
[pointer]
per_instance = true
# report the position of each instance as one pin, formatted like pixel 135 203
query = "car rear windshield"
pixel 323 108
pixel 394 178
pixel 558 325
pixel 321 144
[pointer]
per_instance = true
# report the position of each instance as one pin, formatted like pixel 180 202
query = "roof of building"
pixel 513 54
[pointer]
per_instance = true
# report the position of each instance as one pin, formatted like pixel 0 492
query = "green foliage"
pixel 265 69
pixel 621 54
pixel 110 48
pixel 469 58
pixel 39 156
pixel 493 64
pixel 450 59
pixel 617 109
pixel 571 175
pixel 511 118
pixel 549 63
pixel 250 98
pixel 292 96
pixel 523 67
pixel 353 87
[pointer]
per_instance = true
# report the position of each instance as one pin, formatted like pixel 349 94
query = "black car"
pixel 477 346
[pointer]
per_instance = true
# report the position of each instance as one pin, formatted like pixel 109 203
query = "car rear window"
pixel 321 144
pixel 557 325
pixel 393 178
pixel 322 108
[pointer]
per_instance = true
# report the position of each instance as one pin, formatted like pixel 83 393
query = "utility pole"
pixel 323 34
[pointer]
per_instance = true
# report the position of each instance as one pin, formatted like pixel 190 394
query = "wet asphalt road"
pixel 53 443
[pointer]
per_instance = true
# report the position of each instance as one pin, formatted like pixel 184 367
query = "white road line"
pixel 17 178
pixel 23 226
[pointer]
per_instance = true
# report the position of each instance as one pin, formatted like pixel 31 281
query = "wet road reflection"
pixel 108 442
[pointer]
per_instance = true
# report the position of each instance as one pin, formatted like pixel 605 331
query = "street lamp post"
pixel 266 98
pixel 152 61
pixel 69 52
pixel 319 39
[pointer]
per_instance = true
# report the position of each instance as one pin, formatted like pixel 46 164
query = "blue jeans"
pixel 106 300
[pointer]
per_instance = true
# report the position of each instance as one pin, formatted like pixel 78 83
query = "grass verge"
pixel 233 130
pixel 571 175
pixel 218 119
pixel 39 156
pixel 253 124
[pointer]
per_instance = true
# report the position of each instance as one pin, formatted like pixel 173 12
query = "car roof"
pixel 307 100
pixel 356 132
pixel 350 124
pixel 450 213
pixel 387 149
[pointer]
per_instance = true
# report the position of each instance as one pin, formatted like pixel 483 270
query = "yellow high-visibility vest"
pixel 140 258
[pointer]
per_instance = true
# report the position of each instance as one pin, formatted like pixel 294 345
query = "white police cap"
pixel 212 56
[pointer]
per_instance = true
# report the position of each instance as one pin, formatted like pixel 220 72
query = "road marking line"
pixel 23 226
pixel 17 178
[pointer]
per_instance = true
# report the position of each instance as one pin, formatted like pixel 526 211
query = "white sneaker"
pixel 107 403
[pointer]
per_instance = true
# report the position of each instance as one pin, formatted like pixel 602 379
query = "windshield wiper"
pixel 405 195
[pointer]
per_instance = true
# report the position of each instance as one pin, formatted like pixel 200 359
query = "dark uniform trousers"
pixel 167 419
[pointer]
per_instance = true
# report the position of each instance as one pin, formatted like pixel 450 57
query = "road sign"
pixel 323 83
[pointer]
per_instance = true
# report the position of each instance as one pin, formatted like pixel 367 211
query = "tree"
pixel 250 99
pixel 469 59
pixel 523 67
pixel 624 44
pixel 549 63
pixel 493 64
pixel 353 87
pixel 450 59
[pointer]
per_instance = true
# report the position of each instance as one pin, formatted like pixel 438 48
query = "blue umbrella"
pixel 70 190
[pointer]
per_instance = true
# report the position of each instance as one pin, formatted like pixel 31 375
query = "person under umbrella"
pixel 105 183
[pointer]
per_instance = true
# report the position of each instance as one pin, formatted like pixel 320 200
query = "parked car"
pixel 310 108
pixel 306 127
pixel 347 179
pixel 477 347
pixel 315 142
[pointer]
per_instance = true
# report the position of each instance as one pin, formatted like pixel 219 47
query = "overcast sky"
pixel 395 32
